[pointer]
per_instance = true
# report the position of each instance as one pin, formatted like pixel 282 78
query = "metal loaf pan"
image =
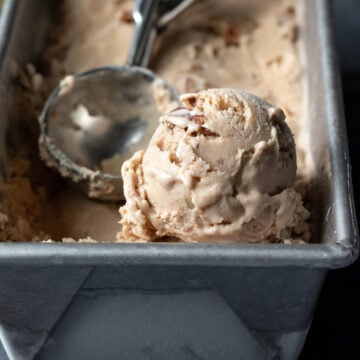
pixel 178 301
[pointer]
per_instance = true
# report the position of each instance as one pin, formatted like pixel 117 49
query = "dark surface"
pixel 335 332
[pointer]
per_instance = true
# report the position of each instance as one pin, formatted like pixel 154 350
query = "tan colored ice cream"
pixel 253 45
pixel 220 169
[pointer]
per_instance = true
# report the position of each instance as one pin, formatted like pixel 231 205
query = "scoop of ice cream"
pixel 221 168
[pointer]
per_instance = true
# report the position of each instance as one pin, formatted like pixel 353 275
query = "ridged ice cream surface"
pixel 221 168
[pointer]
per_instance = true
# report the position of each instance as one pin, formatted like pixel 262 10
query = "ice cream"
pixel 252 45
pixel 221 168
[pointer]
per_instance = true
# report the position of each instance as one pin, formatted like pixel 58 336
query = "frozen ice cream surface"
pixel 253 45
pixel 219 169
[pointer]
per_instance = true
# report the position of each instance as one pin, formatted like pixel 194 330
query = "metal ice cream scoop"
pixel 94 121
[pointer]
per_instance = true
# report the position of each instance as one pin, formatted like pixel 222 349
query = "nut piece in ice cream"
pixel 220 169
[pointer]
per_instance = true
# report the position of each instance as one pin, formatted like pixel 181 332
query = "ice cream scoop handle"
pixel 145 13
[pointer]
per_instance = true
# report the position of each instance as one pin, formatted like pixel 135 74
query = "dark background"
pixel 335 331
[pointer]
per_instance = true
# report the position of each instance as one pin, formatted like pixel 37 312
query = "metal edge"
pixel 245 255
pixel 345 215
pixel 215 255
pixel 7 17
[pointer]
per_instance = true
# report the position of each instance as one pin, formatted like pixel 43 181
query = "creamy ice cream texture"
pixel 245 44
pixel 221 168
